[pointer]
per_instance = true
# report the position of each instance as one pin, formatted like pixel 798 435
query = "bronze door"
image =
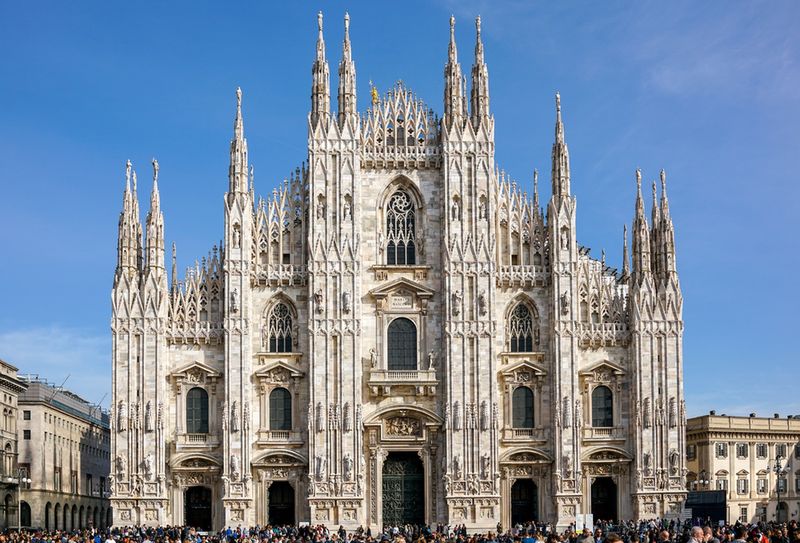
pixel 403 489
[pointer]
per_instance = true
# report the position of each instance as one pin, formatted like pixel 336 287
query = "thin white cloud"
pixel 55 352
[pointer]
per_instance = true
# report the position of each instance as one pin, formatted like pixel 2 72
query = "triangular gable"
pixel 196 367
pixel 270 369
pixel 398 284
pixel 603 365
pixel 524 365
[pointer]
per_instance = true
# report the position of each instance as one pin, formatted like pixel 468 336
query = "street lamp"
pixel 20 479
pixel 780 471
pixel 702 481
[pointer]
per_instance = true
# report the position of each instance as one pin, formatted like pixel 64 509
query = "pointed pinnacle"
pixel 155 172
pixel 128 175
pixel 478 42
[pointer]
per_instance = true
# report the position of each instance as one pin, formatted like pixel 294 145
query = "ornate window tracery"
pixel 279 329
pixel 400 230
pixel 522 408
pixel 402 345
pixel 521 329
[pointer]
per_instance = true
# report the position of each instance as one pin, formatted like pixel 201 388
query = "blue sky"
pixel 710 91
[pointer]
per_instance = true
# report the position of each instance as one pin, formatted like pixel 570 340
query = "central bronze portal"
pixel 403 489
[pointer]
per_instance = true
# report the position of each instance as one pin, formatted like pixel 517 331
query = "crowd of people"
pixel 654 531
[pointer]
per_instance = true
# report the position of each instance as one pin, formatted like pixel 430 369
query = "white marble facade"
pixel 397 312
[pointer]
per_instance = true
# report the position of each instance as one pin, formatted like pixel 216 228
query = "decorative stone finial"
pixel 639 178
pixel 478 25
pixel 663 179
pixel 558 102
pixel 452 25
pixel 155 171
pixel 346 22
pixel 319 21
pixel 238 96
pixel 128 174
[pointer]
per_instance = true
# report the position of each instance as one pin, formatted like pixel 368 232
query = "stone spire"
pixel 536 189
pixel 480 81
pixel 237 172
pixel 667 231
pixel 641 236
pixel 626 266
pixel 174 280
pixel 347 78
pixel 320 80
pixel 560 171
pixel 155 226
pixel 129 241
pixel 453 90
pixel 655 234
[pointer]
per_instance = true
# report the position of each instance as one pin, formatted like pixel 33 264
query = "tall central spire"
pixel 453 98
pixel 560 171
pixel 347 77
pixel 237 172
pixel 320 80
pixel 480 81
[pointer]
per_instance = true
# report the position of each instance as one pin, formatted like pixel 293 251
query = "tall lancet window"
pixel 280 329
pixel 520 329
pixel 400 248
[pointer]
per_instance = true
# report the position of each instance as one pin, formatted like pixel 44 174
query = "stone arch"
pixel 180 460
pixel 382 413
pixel 282 455
pixel 531 454
pixel 610 453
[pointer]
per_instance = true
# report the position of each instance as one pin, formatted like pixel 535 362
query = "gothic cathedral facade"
pixel 398 334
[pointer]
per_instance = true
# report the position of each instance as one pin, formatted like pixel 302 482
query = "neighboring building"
pixel 10 388
pixel 399 334
pixel 64 449
pixel 737 455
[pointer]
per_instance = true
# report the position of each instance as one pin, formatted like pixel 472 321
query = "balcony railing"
pixel 604 433
pixel 191 440
pixel 524 434
pixel 382 381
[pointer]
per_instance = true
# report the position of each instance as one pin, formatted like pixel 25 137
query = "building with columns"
pixel 739 455
pixel 397 334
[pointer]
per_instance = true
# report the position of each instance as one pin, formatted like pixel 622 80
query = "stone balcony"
pixel 522 276
pixel 421 382
pixel 524 435
pixel 279 437
pixel 607 334
pixel 611 433
pixel 280 275
pixel 188 441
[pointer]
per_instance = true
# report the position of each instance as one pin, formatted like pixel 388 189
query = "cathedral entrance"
pixel 281 504
pixel 604 499
pixel 524 501
pixel 197 507
pixel 403 489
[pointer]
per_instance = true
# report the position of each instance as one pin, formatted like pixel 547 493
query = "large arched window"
pixel 602 407
pixel 280 329
pixel 402 345
pixel 520 329
pixel 400 228
pixel 522 408
pixel 280 409
pixel 197 411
